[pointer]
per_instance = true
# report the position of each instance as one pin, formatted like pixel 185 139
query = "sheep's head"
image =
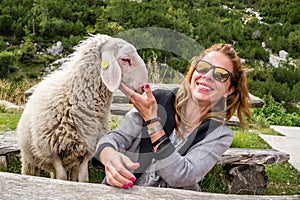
pixel 122 63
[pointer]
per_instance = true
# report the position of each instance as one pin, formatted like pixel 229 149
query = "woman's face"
pixel 205 88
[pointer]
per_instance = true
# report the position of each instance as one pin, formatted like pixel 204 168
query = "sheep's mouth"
pixel 140 90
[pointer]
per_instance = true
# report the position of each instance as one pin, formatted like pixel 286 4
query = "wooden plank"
pixel 119 97
pixel 8 145
pixel 255 101
pixel 253 156
pixel 16 186
pixel 122 109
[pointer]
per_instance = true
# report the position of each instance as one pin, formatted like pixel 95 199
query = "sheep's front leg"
pixel 74 173
pixel 29 169
pixel 28 164
pixel 83 175
pixel 60 172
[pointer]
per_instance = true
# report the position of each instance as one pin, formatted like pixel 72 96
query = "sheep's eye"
pixel 126 60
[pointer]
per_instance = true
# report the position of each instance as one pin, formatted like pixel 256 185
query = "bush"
pixel 282 82
pixel 28 51
pixel 274 113
pixel 2 44
pixel 6 63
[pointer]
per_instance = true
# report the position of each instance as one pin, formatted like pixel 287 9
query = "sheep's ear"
pixel 110 71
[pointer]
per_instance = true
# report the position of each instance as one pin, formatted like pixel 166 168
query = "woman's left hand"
pixel 147 106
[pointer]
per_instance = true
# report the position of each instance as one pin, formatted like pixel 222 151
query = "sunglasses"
pixel 220 74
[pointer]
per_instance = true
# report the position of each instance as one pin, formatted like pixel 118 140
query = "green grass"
pixel 249 140
pixel 9 121
pixel 283 179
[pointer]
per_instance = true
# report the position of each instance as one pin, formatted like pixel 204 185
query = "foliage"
pixel 273 113
pixel 47 21
pixel 6 63
pixel 13 91
pixel 281 83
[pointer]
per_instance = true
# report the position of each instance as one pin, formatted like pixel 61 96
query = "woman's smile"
pixel 203 86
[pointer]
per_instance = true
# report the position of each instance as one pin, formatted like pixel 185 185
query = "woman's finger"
pixel 119 177
pixel 148 91
pixel 126 90
pixel 117 168
pixel 114 178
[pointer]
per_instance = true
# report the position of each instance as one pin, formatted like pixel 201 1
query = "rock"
pixel 56 49
pixel 246 179
pixel 283 54
pixel 275 60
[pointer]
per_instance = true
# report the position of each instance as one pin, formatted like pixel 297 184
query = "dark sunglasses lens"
pixel 221 74
pixel 203 67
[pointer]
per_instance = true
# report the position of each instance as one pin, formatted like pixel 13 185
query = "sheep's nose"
pixel 140 90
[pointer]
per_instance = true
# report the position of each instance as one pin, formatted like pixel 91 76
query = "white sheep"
pixel 70 109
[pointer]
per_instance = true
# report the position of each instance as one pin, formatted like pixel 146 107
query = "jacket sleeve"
pixel 120 138
pixel 180 171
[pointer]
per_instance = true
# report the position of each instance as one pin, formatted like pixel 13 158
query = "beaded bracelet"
pixel 151 121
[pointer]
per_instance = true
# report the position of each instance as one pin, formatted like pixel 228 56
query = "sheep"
pixel 69 109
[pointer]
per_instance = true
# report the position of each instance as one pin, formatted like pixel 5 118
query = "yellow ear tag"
pixel 104 64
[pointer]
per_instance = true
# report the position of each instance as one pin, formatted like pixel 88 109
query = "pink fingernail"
pixel 130 184
pixel 125 187
pixel 147 85
pixel 133 179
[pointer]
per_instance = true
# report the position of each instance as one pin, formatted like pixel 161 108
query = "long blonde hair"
pixel 238 101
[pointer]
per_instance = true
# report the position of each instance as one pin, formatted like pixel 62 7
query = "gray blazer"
pixel 178 170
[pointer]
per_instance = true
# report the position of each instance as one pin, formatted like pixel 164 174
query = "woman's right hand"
pixel 116 168
pixel 147 106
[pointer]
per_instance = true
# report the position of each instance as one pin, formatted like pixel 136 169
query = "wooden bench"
pixel 245 172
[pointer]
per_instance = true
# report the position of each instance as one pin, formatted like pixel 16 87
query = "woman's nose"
pixel 209 75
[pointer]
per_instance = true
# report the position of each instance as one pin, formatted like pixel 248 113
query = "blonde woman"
pixel 173 138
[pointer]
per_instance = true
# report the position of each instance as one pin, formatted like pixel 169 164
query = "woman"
pixel 174 137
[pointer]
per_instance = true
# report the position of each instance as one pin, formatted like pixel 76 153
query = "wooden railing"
pixel 120 104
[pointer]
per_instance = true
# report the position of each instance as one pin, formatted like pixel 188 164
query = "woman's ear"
pixel 229 92
pixel 110 71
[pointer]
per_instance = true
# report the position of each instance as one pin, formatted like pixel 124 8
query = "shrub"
pixel 282 82
pixel 2 43
pixel 274 113
pixel 6 63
